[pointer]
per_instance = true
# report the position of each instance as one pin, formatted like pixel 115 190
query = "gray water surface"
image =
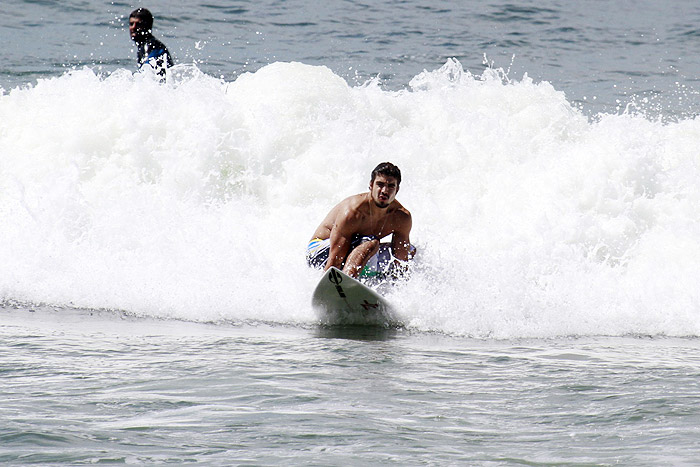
pixel 85 387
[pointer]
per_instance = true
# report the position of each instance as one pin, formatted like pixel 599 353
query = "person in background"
pixel 149 50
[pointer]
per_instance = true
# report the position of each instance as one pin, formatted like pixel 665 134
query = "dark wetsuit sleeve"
pixel 155 52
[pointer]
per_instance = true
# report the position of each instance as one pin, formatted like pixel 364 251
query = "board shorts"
pixel 318 250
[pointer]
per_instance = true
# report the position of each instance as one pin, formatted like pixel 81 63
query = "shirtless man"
pixel 350 234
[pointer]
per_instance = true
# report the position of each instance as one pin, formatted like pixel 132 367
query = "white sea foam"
pixel 194 200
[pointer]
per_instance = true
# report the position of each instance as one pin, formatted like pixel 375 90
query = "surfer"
pixel 349 237
pixel 149 50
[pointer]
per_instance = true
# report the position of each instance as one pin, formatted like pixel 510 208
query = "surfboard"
pixel 342 300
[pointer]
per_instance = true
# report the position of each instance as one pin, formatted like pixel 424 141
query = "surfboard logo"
pixel 367 305
pixel 335 277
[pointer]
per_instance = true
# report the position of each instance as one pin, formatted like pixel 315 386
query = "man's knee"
pixel 362 252
pixel 372 246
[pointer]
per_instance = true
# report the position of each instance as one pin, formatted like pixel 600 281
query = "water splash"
pixel 194 199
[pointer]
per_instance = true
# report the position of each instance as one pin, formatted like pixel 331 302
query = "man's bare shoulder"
pixel 401 219
pixel 356 200
pixel 400 211
pixel 352 204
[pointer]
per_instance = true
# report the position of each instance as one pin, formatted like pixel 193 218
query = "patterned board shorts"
pixel 318 250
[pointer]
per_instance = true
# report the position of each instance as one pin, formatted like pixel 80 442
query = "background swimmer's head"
pixel 140 23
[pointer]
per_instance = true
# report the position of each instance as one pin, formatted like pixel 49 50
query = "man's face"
pixel 383 190
pixel 137 28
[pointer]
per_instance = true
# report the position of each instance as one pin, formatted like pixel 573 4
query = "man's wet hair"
pixel 144 15
pixel 388 170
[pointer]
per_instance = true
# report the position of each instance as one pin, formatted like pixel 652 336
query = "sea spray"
pixel 194 199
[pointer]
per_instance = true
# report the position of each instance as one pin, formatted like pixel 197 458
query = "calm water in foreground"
pixel 85 387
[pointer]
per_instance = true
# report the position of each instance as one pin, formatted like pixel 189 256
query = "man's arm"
pixel 401 244
pixel 401 249
pixel 341 238
pixel 340 246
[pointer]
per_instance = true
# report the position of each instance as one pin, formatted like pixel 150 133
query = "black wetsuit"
pixel 152 51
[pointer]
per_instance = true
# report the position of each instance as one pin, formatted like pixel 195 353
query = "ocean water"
pixel 154 298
